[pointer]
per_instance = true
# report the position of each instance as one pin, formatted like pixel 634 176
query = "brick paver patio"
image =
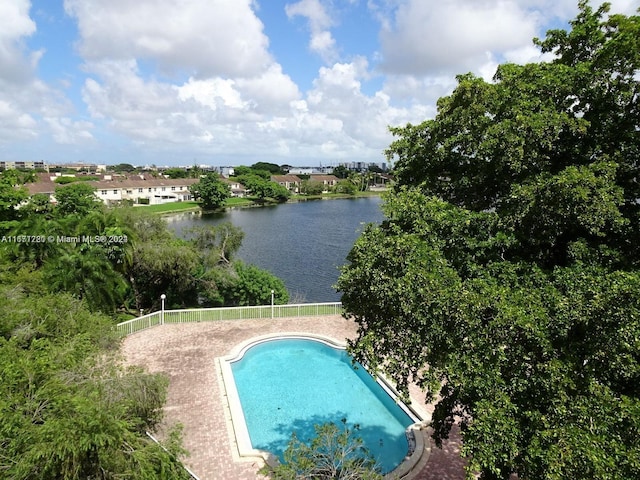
pixel 187 354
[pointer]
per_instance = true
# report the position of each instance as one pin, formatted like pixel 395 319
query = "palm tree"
pixel 42 241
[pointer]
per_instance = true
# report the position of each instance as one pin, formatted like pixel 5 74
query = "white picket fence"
pixel 228 313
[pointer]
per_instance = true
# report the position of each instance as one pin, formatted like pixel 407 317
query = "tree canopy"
pixel 211 191
pixel 176 172
pixel 77 198
pixel 272 168
pixel 264 189
pixel 123 167
pixel 69 408
pixel 335 453
pixel 12 194
pixel 504 280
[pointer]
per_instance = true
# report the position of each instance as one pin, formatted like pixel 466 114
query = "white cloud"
pixel 24 99
pixel 272 91
pixel 338 93
pixel 16 20
pixel 626 7
pixel 197 77
pixel 263 115
pixel 416 90
pixel 320 22
pixel 14 124
pixel 200 37
pixel 214 93
pixel 453 36
pixel 134 107
pixel 69 132
pixel 457 36
pixel 16 63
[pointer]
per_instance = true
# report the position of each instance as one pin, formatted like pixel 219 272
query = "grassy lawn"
pixel 184 206
pixel 170 207
pixel 238 202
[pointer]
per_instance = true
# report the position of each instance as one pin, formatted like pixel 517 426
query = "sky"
pixel 233 82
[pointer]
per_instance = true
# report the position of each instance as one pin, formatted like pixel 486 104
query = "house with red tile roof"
pixel 139 189
pixel 290 182
pixel 329 181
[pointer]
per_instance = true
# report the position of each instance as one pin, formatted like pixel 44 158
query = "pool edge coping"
pixel 237 427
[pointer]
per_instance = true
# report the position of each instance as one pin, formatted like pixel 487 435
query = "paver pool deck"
pixel 187 354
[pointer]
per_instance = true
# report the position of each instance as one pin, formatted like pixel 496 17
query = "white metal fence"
pixel 228 313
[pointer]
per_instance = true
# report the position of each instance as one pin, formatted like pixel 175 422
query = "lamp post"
pixel 272 294
pixel 162 297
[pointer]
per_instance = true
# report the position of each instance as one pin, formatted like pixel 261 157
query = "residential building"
pixel 22 165
pixel 302 171
pixel 237 189
pixel 139 188
pixel 78 167
pixel 227 171
pixel 328 181
pixel 290 182
pixel 150 191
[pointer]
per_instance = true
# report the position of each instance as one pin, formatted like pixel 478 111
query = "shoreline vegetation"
pixel 188 206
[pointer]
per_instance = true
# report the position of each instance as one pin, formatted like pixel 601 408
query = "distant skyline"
pixel 232 82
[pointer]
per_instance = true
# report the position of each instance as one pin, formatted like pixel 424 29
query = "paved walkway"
pixel 187 354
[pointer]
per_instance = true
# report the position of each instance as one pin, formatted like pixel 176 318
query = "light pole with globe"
pixel 272 299
pixel 162 298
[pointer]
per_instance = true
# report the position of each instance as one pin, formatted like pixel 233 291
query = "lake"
pixel 302 243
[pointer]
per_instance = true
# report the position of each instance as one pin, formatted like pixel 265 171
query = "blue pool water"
pixel 288 385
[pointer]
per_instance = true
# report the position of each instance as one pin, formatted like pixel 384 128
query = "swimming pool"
pixel 291 384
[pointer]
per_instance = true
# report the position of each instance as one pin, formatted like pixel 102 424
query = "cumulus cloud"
pixel 419 90
pixel 626 7
pixel 249 116
pixel 69 132
pixel 14 123
pixel 451 35
pixel 222 111
pixel 364 118
pixel 320 22
pixel 197 77
pixel 272 91
pixel 201 37
pixel 24 99
pixel 456 36
pixel 16 63
pixel 133 106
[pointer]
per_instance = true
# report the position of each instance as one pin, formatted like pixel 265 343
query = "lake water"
pixel 302 243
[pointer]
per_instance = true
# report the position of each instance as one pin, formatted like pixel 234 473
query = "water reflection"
pixel 303 243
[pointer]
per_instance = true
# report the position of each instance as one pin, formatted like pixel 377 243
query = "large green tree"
pixel 263 189
pixel 69 408
pixel 164 267
pixel 12 194
pixel 250 285
pixel 86 272
pixel 211 191
pixel 77 198
pixel 505 277
pixel 176 172
pixel 272 168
